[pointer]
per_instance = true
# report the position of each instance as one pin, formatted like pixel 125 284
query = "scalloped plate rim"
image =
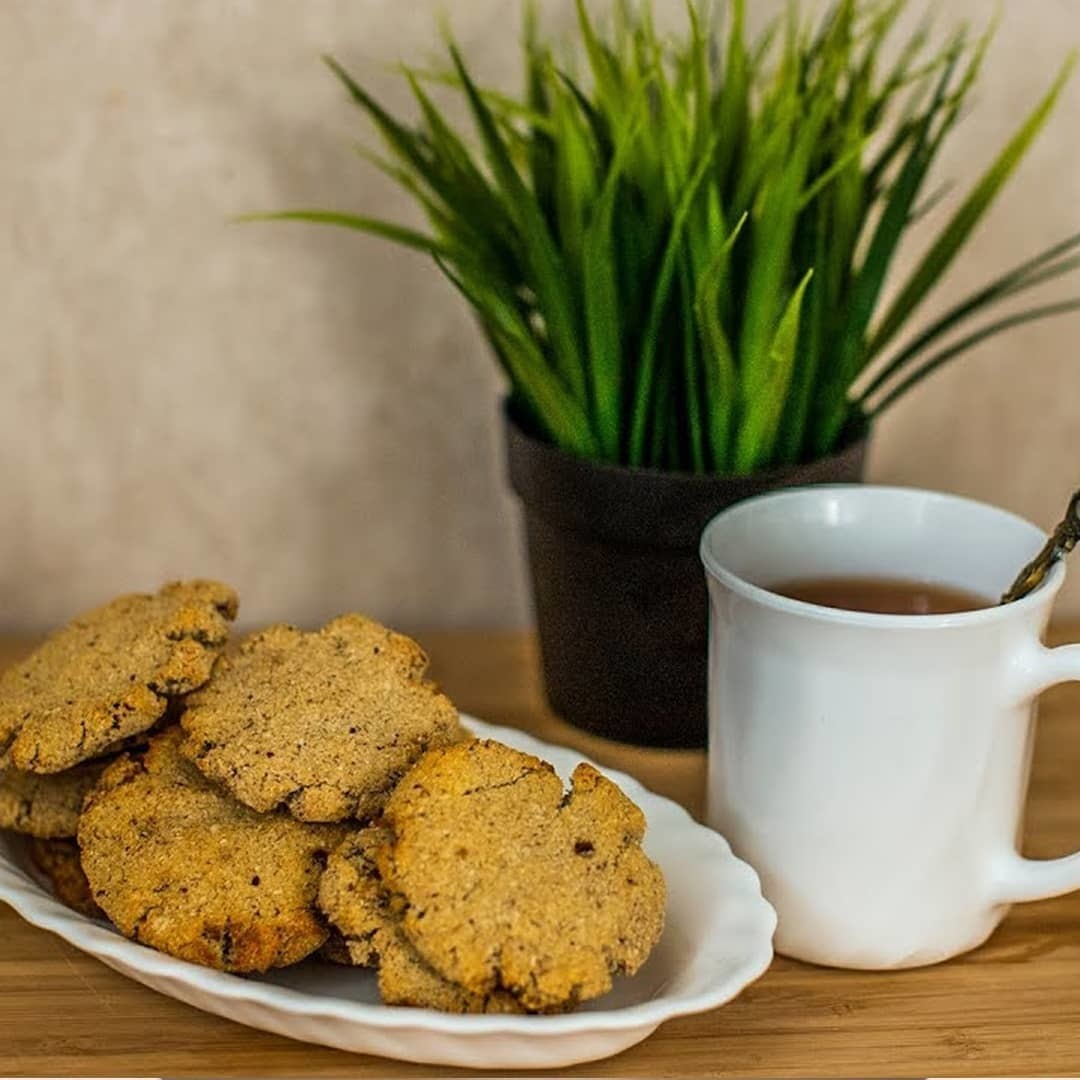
pixel 28 898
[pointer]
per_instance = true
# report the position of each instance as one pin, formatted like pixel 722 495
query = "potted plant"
pixel 678 259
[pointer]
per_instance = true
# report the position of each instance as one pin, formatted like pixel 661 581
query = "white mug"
pixel 874 768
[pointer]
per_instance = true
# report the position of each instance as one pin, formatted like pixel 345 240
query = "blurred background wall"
pixel 310 414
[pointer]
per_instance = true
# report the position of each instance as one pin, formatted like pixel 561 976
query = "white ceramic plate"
pixel 717 940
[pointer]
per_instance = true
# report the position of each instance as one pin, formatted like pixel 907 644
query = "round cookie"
pixel 180 866
pixel 58 860
pixel 367 934
pixel 323 724
pixel 508 883
pixel 46 806
pixel 110 674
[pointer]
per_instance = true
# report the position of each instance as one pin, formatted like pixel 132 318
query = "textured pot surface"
pixel 619 591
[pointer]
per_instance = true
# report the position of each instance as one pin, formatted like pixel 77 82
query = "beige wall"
pixel 307 413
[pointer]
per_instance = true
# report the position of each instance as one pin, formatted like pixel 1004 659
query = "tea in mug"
pixel 882 596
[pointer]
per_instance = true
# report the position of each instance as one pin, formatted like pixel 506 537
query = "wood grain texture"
pixel 1008 1009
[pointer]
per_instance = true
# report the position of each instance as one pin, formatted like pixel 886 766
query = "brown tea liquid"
pixel 883 596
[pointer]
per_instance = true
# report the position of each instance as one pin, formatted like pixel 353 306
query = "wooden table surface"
pixel 1011 1008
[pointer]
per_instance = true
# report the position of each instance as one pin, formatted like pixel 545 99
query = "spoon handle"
pixel 1062 540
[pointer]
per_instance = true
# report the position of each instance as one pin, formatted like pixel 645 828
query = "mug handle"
pixel 1016 878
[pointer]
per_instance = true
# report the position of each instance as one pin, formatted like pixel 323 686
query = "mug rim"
pixel 1042 595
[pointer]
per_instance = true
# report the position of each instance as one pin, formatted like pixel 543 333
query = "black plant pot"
pixel 619 591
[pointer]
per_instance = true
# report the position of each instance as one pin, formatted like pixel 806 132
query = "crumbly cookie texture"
pixel 323 724
pixel 350 896
pixel 58 860
pixel 180 866
pixel 368 934
pixel 46 806
pixel 507 883
pixel 405 979
pixel 110 674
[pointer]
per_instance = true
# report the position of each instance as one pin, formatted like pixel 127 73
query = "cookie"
pixel 46 806
pixel 110 674
pixel 507 883
pixel 58 860
pixel 405 979
pixel 180 866
pixel 368 935
pixel 323 724
pixel 350 897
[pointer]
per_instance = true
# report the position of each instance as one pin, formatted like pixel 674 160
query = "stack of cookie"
pixel 486 888
pixel 314 792
pixel 92 690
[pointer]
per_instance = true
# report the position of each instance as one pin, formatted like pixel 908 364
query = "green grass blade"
pixel 404 142
pixel 718 360
pixel 432 206
pixel 399 234
pixel 935 198
pixel 766 155
pixel 691 368
pixel 913 119
pixel 720 380
pixel 461 179
pixel 575 182
pixel 548 275
pixel 849 157
pixel 889 154
pixel 937 260
pixel 484 244
pixel 842 213
pixel 527 367
pixel 964 344
pixel 603 322
pixel 893 222
pixel 646 370
pixel 733 104
pixel 763 398
pixel 505 105
pixel 775 219
pixel 463 188
pixel 603 63
pixel 541 153
pixel 1045 266
pixel 901 73
pixel 699 83
pixel 606 307
pixel 814 318
pixel 598 121
pixel 763 43
pixel 870 277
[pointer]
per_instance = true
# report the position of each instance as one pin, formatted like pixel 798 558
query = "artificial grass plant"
pixel 679 256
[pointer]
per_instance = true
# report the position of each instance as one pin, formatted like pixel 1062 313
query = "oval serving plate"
pixel 717 940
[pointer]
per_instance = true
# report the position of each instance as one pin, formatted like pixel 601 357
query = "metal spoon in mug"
pixel 1062 540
